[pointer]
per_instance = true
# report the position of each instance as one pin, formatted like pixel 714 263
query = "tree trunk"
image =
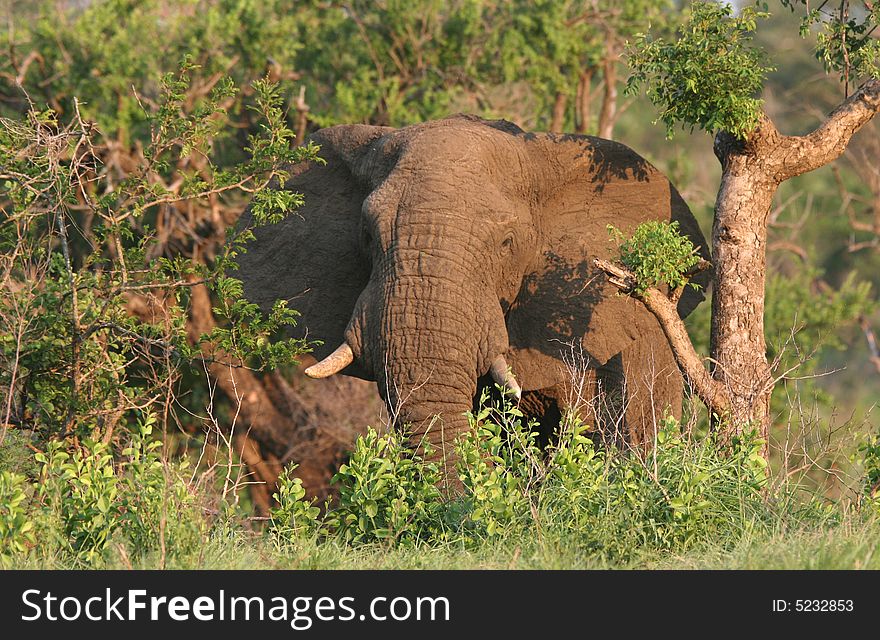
pixel 608 115
pixel 739 238
pixel 752 170
pixel 584 97
pixel 265 469
pixel 558 122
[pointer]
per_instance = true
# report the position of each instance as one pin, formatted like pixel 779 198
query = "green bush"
pixel 498 461
pixel 159 509
pixel 293 516
pixel 16 527
pixel 871 452
pixel 81 490
pixel 683 494
pixel 88 500
pixel 388 493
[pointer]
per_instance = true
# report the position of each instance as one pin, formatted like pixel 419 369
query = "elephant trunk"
pixel 437 340
pixel 429 400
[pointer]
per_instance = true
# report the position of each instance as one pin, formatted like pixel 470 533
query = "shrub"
pixel 159 510
pixel 16 527
pixel 682 494
pixel 294 516
pixel 388 493
pixel 89 500
pixel 498 467
pixel 81 490
pixel 871 452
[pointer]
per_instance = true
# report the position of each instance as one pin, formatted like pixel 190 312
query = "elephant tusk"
pixel 503 376
pixel 334 363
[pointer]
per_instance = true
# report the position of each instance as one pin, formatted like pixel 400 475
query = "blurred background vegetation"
pixel 555 65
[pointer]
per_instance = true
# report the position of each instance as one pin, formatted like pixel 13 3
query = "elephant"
pixel 445 257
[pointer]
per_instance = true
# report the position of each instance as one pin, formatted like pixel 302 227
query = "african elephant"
pixel 437 257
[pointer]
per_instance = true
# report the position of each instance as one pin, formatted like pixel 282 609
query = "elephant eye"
pixel 507 243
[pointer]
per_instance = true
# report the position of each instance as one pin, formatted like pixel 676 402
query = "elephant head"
pixel 428 256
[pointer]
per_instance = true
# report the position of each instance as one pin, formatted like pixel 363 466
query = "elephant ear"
pixel 565 307
pixel 313 258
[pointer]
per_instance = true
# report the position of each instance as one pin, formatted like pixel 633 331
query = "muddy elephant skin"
pixel 424 253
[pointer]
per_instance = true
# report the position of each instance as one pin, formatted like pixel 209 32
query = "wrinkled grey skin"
pixel 432 249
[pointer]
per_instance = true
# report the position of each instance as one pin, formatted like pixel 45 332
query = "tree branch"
pixel 709 390
pixel 801 154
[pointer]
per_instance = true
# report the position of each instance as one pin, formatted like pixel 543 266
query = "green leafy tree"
pixel 689 87
pixel 561 49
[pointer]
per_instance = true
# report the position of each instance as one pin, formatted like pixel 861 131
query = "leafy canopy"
pixel 708 76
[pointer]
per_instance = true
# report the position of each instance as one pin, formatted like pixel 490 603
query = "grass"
pixel 845 546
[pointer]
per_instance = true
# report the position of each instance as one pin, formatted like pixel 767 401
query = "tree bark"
pixel 584 98
pixel 558 122
pixel 265 469
pixel 752 171
pixel 608 115
pixel 739 238
pixel 302 116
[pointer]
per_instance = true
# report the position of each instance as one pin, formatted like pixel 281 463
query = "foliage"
pixel 609 504
pixel 708 76
pixel 159 509
pixel 844 42
pixel 387 493
pixel 497 467
pixel 554 45
pixel 294 516
pixel 683 494
pixel 16 529
pixel 75 359
pixel 81 489
pixel 83 375
pixel 403 61
pixel 612 502
pixel 657 253
pixel 870 451
pixel 98 51
pixel 803 315
pixel 88 501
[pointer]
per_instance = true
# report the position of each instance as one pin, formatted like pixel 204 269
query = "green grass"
pixel 845 546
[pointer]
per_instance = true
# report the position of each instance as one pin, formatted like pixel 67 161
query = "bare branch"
pixel 784 245
pixel 709 390
pixel 801 154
